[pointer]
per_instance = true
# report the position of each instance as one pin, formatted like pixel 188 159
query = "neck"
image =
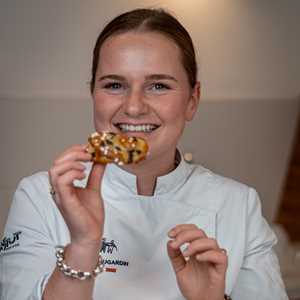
pixel 147 172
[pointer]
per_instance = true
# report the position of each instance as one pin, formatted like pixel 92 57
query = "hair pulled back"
pixel 151 20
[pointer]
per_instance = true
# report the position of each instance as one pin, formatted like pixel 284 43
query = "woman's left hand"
pixel 200 269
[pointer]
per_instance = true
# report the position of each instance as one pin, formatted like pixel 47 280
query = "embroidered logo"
pixel 110 248
pixel 10 242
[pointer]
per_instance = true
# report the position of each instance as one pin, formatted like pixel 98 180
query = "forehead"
pixel 151 51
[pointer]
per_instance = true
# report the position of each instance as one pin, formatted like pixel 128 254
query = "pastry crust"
pixel 110 147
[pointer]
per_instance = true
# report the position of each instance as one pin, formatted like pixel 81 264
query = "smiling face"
pixel 142 89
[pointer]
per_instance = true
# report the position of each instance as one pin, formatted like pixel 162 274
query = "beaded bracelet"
pixel 68 271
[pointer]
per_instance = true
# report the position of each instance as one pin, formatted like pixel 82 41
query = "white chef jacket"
pixel 135 236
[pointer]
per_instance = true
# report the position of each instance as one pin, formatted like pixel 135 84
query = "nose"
pixel 134 104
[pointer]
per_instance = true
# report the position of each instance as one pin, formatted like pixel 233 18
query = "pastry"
pixel 110 147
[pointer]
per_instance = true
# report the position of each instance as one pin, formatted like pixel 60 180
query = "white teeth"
pixel 137 128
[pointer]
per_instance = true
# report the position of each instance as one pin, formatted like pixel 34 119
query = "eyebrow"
pixel 111 76
pixel 160 77
pixel 148 77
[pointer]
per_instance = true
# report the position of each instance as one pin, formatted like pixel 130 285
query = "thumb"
pixel 176 258
pixel 95 177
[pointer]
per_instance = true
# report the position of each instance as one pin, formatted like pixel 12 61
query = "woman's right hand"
pixel 81 208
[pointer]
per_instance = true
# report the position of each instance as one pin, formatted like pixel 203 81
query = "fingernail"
pixel 171 233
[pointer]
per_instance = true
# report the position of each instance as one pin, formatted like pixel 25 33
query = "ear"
pixel 193 103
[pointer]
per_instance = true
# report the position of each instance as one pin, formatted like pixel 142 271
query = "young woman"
pixel 164 229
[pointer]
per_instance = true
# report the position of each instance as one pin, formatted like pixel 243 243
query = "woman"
pixel 161 226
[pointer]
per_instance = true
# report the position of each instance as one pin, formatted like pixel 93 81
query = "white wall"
pixel 248 51
pixel 249 141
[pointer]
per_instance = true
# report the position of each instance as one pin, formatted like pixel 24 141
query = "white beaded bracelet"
pixel 68 271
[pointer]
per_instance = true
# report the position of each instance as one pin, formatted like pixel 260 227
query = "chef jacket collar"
pixel 164 184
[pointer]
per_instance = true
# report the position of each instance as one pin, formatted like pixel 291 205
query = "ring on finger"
pixel 52 191
pixel 223 250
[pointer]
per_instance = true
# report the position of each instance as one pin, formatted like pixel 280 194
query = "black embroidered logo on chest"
pixel 9 242
pixel 110 247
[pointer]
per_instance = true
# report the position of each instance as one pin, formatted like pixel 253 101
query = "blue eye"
pixel 158 86
pixel 113 86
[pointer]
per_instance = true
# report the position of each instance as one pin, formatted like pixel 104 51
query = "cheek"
pixel 103 105
pixel 101 110
pixel 174 112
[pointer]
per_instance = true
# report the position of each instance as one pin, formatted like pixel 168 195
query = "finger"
pixel 65 197
pixel 187 236
pixel 201 245
pixel 79 147
pixel 216 257
pixel 177 260
pixel 64 184
pixel 75 155
pixel 95 177
pixel 181 227
pixel 54 195
pixel 58 170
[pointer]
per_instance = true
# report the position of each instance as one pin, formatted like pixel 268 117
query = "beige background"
pixel 250 73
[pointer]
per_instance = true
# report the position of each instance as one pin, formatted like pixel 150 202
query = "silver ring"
pixel 223 251
pixel 52 191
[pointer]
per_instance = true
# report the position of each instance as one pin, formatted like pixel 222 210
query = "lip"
pixel 136 124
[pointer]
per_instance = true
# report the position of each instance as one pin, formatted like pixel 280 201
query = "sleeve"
pixel 259 276
pixel 27 257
